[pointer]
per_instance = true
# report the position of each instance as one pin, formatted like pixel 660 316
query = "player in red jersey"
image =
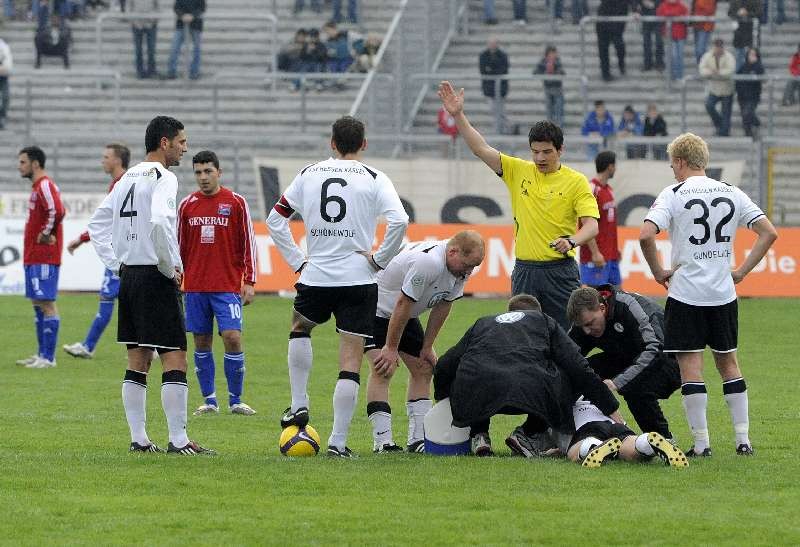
pixel 599 258
pixel 116 158
pixel 219 258
pixel 44 242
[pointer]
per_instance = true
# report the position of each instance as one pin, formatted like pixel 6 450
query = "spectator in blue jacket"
pixel 630 125
pixel 597 123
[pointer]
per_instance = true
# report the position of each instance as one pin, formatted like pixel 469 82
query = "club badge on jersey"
pixel 224 210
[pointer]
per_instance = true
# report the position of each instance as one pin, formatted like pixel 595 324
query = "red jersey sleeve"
pixel 248 241
pixel 50 199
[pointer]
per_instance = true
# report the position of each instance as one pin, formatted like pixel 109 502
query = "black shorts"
pixel 690 328
pixel 353 307
pixel 150 310
pixel 602 431
pixel 410 341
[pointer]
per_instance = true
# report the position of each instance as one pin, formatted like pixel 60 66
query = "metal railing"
pixel 129 17
pixel 299 79
pixel 39 77
pixel 770 88
pixel 668 21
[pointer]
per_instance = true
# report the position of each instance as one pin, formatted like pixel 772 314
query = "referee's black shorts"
pixel 150 310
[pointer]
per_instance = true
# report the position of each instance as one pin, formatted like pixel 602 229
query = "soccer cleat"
pixel 41 362
pixel 482 445
pixel 706 453
pixel 528 446
pixel 243 409
pixel 191 449
pixel 299 417
pixel 335 452
pixel 670 454
pixel 78 350
pixel 599 454
pixel 27 361
pixel 417 447
pixel 152 447
pixel 388 447
pixel 205 409
pixel 745 450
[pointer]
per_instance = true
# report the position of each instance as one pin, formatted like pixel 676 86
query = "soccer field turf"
pixel 67 476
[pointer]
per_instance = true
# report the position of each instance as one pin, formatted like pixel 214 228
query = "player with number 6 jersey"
pixel 219 258
pixel 702 215
pixel 340 201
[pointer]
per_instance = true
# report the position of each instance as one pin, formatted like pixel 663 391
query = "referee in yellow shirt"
pixel 548 200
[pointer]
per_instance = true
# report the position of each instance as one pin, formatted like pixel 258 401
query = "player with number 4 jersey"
pixel 340 201
pixel 702 215
pixel 219 258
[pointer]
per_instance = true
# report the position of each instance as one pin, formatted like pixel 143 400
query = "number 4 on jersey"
pixel 128 199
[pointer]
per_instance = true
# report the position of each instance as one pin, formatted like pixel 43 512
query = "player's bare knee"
pixel 232 339
pixel 727 365
pixel 48 307
pixel 203 342
pixel 173 360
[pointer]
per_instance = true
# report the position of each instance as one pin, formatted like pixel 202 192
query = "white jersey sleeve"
pixel 163 217
pixel 100 230
pixel 391 208
pixel 278 223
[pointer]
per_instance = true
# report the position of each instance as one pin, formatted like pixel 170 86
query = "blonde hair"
pixel 467 242
pixel 690 148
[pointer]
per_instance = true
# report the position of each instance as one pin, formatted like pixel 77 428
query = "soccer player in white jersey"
pixel 701 216
pixel 425 275
pixel 340 200
pixel 133 232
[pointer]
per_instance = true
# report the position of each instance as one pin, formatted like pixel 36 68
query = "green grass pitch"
pixel 66 476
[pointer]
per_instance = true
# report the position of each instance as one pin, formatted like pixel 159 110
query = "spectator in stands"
pixel 493 61
pixel 352 11
pixel 609 32
pixel 630 125
pixel 41 12
pixel 299 5
pixel 748 93
pixel 144 31
pixel 743 12
pixel 703 30
pixel 520 12
pixel 580 8
pixel 314 58
pixel 675 8
pixel 289 57
pixel 718 66
pixel 655 126
pixel 651 31
pixel 553 90
pixel 598 123
pixel 337 44
pixel 489 16
pixel 189 15
pixel 793 86
pixel 366 55
pixel 6 64
pixel 53 42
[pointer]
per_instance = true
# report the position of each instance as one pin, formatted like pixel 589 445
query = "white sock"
pixel 643 446
pixel 345 396
pixel 695 402
pixel 134 399
pixel 174 397
pixel 416 419
pixel 587 445
pixel 736 397
pixel 380 416
pixel 300 360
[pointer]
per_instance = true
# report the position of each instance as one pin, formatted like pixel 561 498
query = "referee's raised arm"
pixel 454 104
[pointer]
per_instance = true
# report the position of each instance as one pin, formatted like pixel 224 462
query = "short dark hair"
pixel 158 128
pixel 604 159
pixel 348 135
pixel 206 156
pixel 122 152
pixel 582 299
pixel 599 102
pixel 549 48
pixel 546 131
pixel 34 153
pixel 524 302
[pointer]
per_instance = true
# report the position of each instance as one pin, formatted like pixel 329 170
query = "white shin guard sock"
pixel 416 419
pixel 300 360
pixel 134 399
pixel 345 396
pixel 174 398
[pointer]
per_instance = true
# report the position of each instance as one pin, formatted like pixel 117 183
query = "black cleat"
pixel 191 449
pixel 388 447
pixel 670 454
pixel 745 450
pixel 706 453
pixel 337 453
pixel 417 447
pixel 136 447
pixel 299 417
